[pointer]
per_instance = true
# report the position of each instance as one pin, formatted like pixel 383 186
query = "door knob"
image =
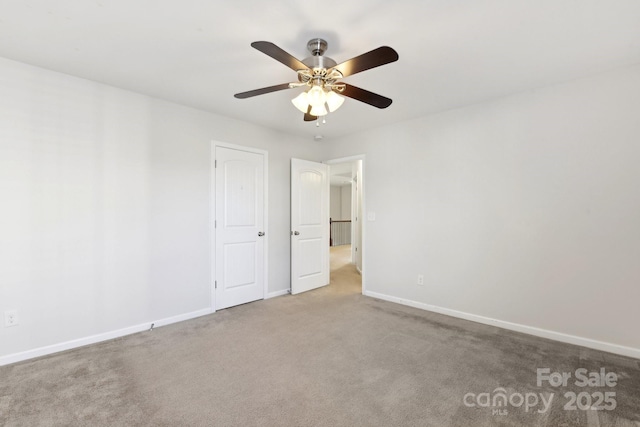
pixel 260 233
pixel 295 233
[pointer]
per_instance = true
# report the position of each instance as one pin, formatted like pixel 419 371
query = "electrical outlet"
pixel 10 318
pixel 420 280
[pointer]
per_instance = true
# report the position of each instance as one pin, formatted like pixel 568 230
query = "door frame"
pixel 212 215
pixel 363 221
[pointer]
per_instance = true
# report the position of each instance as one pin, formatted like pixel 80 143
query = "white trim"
pixel 363 223
pixel 347 159
pixel 105 336
pixel 275 294
pixel 212 214
pixel 544 333
pixel 212 227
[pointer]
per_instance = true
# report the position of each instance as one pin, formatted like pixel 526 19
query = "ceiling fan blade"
pixel 308 117
pixel 366 96
pixel 375 58
pixel 262 91
pixel 280 55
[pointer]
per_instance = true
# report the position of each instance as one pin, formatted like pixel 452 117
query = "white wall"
pixel 525 209
pixel 104 217
pixel 335 202
pixel 340 202
pixel 345 202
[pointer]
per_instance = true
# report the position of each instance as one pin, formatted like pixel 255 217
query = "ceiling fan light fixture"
pixel 316 97
pixel 301 102
pixel 318 110
pixel 334 101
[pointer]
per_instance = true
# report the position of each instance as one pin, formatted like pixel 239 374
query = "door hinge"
pixel 215 223
pixel 215 163
pixel 215 284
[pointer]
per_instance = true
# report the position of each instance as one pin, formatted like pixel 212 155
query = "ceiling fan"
pixel 321 75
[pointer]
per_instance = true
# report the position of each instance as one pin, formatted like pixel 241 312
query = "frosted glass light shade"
pixel 316 97
pixel 334 101
pixel 318 110
pixel 301 102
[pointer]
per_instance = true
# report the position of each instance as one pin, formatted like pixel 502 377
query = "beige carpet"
pixel 329 357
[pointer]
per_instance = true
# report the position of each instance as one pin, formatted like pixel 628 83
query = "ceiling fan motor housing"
pixel 318 47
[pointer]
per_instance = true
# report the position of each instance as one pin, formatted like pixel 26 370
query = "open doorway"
pixel 346 201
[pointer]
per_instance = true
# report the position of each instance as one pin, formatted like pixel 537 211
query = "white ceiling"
pixel 197 53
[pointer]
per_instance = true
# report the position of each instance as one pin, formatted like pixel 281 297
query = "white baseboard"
pixel 544 333
pixel 277 293
pixel 68 345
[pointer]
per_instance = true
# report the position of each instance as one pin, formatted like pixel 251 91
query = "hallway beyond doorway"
pixel 344 275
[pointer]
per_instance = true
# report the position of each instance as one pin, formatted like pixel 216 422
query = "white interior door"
pixel 309 225
pixel 239 227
